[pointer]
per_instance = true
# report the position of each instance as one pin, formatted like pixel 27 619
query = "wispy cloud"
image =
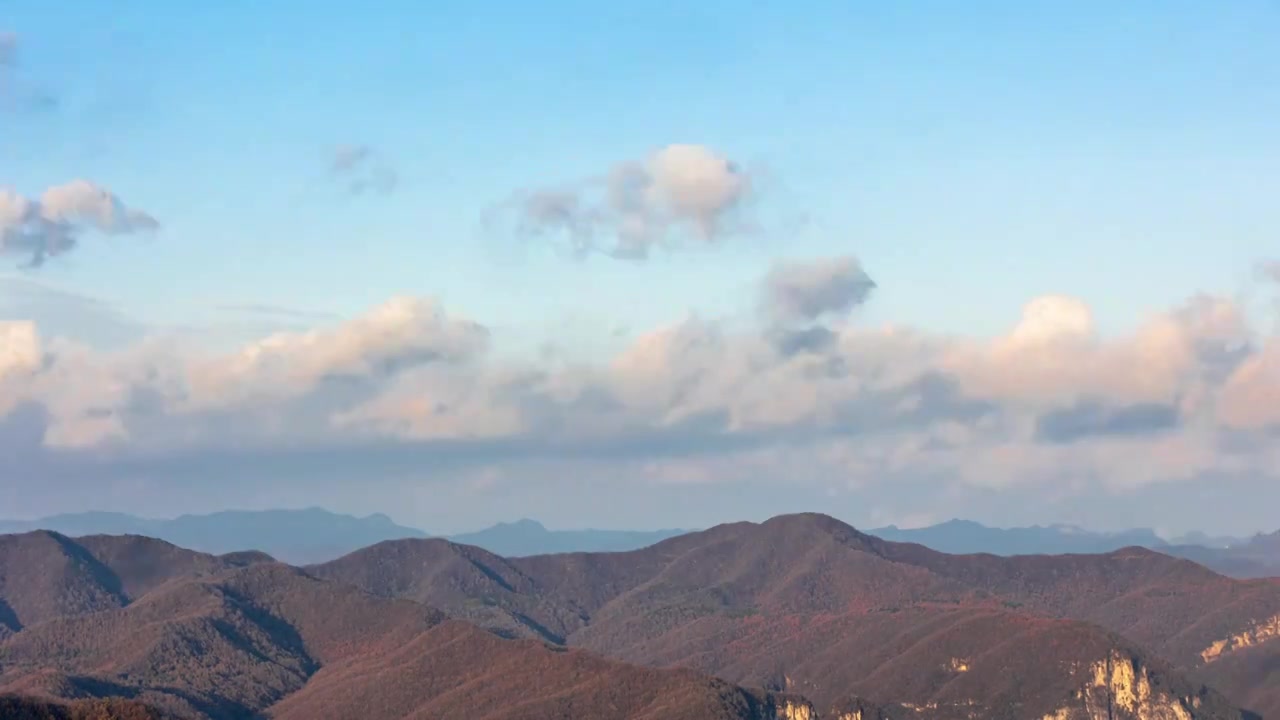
pixel 362 169
pixel 275 311
pixel 61 312
pixel 16 92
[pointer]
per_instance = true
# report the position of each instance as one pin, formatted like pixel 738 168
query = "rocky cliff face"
pixel 1119 688
pixel 800 709
pixel 1261 632
pixel 792 710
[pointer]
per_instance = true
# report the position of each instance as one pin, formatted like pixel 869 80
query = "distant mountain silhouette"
pixel 296 536
pixel 529 537
pixel 1205 540
pixel 963 537
pixel 315 535
pixel 1257 557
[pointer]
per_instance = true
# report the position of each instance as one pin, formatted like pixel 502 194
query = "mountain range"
pixel 315 535
pixel 300 536
pixel 800 616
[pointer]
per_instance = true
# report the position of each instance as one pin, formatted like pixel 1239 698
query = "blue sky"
pixel 1069 147
pixel 971 157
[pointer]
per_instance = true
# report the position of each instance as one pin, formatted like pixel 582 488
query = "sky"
pixel 643 264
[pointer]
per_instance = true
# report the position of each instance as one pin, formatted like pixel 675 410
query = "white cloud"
pixel 19 348
pixel 1250 397
pixel 52 224
pixel 20 358
pixel 400 334
pixel 1192 393
pixel 1054 355
pixel 678 192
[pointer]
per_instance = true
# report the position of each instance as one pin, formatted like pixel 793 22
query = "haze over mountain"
pixel 1257 557
pixel 1254 557
pixel 966 536
pixel 297 536
pixel 529 537
pixel 314 535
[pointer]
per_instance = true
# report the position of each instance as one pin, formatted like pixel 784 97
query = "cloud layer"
pixel 1192 394
pixel 44 227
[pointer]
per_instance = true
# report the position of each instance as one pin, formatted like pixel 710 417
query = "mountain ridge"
pixel 804 607
pixel 814 590
pixel 315 535
pixel 268 638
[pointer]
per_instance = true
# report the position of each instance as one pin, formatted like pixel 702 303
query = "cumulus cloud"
pixel 19 348
pixel 814 289
pixel 52 224
pixel 363 169
pixel 678 192
pixel 400 334
pixel 1193 392
pixel 1053 355
pixel 1250 396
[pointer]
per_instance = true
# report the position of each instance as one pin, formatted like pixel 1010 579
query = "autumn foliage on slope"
pixel 14 707
pixel 807 603
pixel 270 639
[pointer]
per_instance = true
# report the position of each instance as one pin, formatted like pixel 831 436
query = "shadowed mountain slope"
pixel 14 707
pixel 47 575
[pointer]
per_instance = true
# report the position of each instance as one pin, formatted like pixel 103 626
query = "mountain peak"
pixel 525 524
pixel 811 522
pixel 810 519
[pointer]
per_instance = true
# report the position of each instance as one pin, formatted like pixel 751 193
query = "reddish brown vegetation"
pixel 237 642
pixel 458 670
pixel 799 604
pixel 836 611
pixel 13 707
